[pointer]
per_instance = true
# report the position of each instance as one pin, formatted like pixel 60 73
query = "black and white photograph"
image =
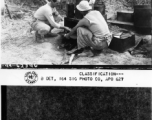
pixel 83 60
pixel 76 32
pixel 76 103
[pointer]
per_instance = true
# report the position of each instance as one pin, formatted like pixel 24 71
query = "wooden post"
pixel 8 11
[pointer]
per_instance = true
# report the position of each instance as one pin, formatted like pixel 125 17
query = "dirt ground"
pixel 18 46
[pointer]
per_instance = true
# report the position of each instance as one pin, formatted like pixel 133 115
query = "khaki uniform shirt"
pixel 45 12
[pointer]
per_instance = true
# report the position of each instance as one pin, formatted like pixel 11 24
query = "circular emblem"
pixel 31 77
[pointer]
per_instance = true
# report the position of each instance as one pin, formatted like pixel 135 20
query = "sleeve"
pixel 87 18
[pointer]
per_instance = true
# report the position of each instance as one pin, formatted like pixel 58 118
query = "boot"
pixel 38 37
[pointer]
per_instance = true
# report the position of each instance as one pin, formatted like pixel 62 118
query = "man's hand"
pixel 67 36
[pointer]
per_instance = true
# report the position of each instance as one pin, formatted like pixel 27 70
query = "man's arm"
pixel 82 23
pixel 54 24
pixel 50 18
pixel 56 13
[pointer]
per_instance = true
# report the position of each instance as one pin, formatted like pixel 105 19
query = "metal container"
pixel 125 16
pixel 78 15
pixel 143 19
pixel 70 10
pixel 122 43
pixel 70 22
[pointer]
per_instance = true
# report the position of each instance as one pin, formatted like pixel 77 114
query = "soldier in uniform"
pixel 92 30
pixel 44 21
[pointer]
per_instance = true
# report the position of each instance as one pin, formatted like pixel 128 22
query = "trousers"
pixel 85 38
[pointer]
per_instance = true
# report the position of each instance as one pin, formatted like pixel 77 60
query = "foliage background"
pixel 125 2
